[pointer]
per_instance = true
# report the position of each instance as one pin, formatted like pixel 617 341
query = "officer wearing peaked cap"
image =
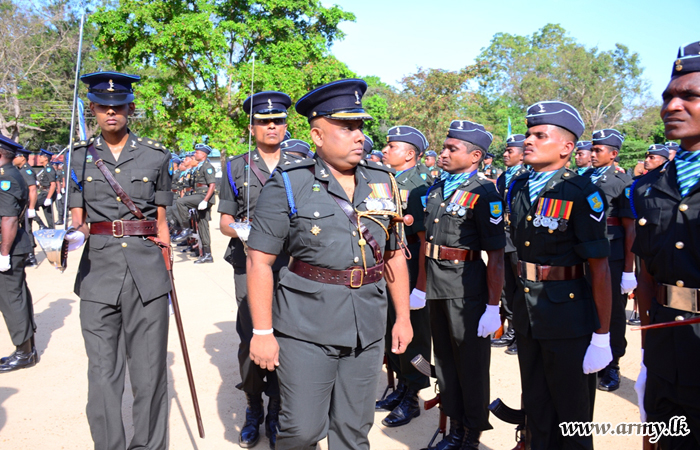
pixel 329 315
pixel 404 144
pixel 46 179
pixel 561 321
pixel 15 298
pixel 122 280
pixel 463 217
pixel 513 160
pixel 242 181
pixel 615 185
pixel 20 161
pixel 582 156
pixel 657 154
pixel 666 203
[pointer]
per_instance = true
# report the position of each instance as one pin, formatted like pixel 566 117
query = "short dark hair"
pixel 7 153
pixel 472 147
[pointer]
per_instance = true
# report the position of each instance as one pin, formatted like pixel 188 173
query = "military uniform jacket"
pixel 28 174
pixel 322 235
pixel 203 175
pixel 14 198
pixel 46 176
pixel 412 187
pixel 238 186
pixel 668 241
pixel 424 173
pixel 558 309
pixel 615 184
pixel 503 190
pixel 142 170
pixel 479 228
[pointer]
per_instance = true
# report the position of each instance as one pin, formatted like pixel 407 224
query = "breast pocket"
pixel 94 185
pixel 143 183
pixel 314 225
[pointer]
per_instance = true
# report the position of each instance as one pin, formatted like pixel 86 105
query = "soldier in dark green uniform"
pixel 489 170
pixel 582 157
pixel 47 186
pixel 202 197
pixel 463 217
pixel 243 178
pixel 561 320
pixel 657 155
pixel 29 177
pixel 431 165
pixel 174 222
pixel 614 183
pixel 666 203
pixel 404 144
pixel 122 281
pixel 15 298
pixel 513 160
pixel 60 190
pixel 332 214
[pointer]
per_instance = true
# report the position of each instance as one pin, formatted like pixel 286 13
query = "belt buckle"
pixel 682 298
pixel 114 233
pixel 352 277
pixel 530 271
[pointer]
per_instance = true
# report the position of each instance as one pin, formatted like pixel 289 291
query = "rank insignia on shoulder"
pixel 627 192
pixel 5 185
pixel 595 202
pixel 496 209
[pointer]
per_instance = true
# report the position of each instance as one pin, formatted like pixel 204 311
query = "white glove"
pixel 75 240
pixel 202 205
pixel 417 299
pixel 59 196
pixel 598 354
pixel 47 202
pixel 490 321
pixel 63 190
pixel 4 263
pixel 629 282
pixel 31 213
pixel 640 386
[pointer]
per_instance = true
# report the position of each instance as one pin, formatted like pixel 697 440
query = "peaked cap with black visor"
pixel 341 100
pixel 110 88
pixel 268 105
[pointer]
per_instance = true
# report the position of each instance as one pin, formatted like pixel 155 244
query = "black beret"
pixel 340 99
pixel 368 145
pixel 110 88
pixel 297 146
pixel 470 132
pixel 608 136
pixel 515 140
pixel 672 146
pixel 203 148
pixel 688 60
pixel 555 113
pixel 10 145
pixel 403 133
pixel 658 149
pixel 268 105
pixel 584 145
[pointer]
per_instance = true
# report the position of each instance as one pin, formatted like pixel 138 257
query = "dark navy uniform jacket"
pixel 14 198
pixel 503 190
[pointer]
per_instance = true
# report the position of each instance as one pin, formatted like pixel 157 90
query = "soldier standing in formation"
pixel 27 173
pixel 122 281
pixel 243 178
pixel 673 148
pixel 582 157
pixel 431 164
pixel 404 144
pixel 666 203
pixel 330 311
pixel 620 227
pixel 489 171
pixel 561 321
pixel 47 187
pixel 513 160
pixel 15 299
pixel 60 189
pixel 463 217
pixel 657 154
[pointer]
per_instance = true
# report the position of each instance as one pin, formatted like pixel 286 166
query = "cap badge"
pixel 357 98
pixel 269 104
pixel 602 133
pixel 541 108
pixel 286 144
pixel 111 86
pixel 398 131
pixel 461 125
pixel 133 144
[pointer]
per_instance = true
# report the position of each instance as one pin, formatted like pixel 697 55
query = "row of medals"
pixel 455 208
pixel 380 204
pixel 550 222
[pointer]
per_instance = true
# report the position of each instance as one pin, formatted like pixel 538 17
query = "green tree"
pixel 196 60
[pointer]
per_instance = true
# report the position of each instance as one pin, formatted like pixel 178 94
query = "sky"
pixel 391 38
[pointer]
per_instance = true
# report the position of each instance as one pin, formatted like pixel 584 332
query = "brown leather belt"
pixel 187 190
pixel 537 272
pixel 450 253
pixel 121 228
pixel 685 299
pixel 201 185
pixel 412 239
pixel 614 222
pixel 353 277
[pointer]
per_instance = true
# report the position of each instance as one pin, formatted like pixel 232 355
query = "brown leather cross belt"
pixel 353 277
pixel 450 253
pixel 121 228
pixel 538 272
pixel 683 298
pixel 202 185
pixel 614 222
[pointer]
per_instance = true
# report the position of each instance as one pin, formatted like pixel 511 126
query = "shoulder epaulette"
pixel 376 165
pixel 152 144
pixel 577 180
pixel 289 165
pixel 81 144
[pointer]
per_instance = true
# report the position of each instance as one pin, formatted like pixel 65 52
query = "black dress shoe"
pixel 272 421
pixel 205 258
pixel 453 440
pixel 254 414
pixel 31 260
pixel 60 222
pixel 610 379
pixel 19 360
pixel 183 235
pixel 471 439
pixel 405 411
pixel 512 348
pixel 506 338
pixel 392 400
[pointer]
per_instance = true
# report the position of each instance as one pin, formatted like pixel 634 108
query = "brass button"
pixel 527 243
pixel 442 205
pixel 316 214
pixel 571 295
pixel 456 261
pixel 150 142
pixel 119 199
pixel 566 175
pixel 354 233
pixel 430 238
pixel 357 259
pixel 89 178
pixel 679 245
pixel 528 218
pixel 550 231
pixel 680 283
pixel 124 244
pixel 683 207
pixel 437 220
pixel 679 318
pixel 145 179
pixel 527 289
pixel 642 222
pixel 245 183
pixel 117 170
pixel 454 212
